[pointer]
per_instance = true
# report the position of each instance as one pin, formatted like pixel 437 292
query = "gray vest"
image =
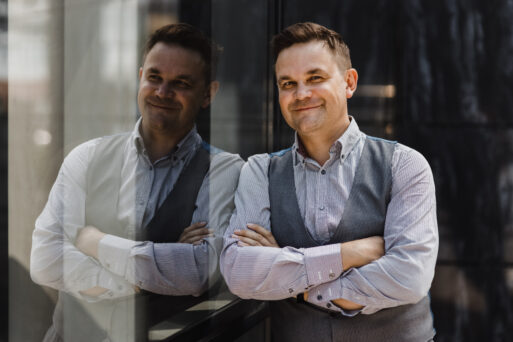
pixel 364 216
pixel 127 319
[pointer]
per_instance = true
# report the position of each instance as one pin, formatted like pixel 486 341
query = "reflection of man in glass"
pixel 139 210
pixel 307 228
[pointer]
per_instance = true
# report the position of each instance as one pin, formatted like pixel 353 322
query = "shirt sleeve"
pixel 268 273
pixel 180 268
pixel 404 274
pixel 55 261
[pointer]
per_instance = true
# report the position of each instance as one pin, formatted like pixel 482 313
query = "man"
pixel 310 222
pixel 139 211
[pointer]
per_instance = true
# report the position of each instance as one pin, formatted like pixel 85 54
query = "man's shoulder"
pixel 84 153
pixel 280 153
pixel 380 140
pixel 220 159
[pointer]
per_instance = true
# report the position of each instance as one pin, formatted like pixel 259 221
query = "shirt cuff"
pixel 113 253
pixel 323 295
pixel 323 264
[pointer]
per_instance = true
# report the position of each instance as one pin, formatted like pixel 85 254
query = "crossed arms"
pixel 94 266
pixel 401 276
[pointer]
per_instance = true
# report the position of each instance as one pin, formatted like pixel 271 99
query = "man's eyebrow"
pixel 185 77
pixel 153 71
pixel 315 71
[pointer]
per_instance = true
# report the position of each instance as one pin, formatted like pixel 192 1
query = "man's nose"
pixel 303 91
pixel 165 90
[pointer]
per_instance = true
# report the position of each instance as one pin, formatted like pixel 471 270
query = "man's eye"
pixel 154 78
pixel 287 85
pixel 315 78
pixel 182 84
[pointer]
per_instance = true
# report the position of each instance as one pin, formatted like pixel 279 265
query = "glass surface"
pixel 435 76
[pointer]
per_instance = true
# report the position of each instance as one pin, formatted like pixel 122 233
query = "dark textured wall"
pixel 455 101
pixel 451 62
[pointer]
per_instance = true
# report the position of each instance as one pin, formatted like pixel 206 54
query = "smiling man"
pixel 340 230
pixel 140 213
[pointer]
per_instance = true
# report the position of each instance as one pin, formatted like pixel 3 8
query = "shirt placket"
pixel 321 205
pixel 143 193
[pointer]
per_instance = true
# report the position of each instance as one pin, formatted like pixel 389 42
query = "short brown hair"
pixel 306 32
pixel 188 37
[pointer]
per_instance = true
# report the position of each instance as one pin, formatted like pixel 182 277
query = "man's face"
pixel 172 89
pixel 313 91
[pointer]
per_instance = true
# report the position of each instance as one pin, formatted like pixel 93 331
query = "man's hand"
pixel 255 236
pixel 346 304
pixel 195 233
pixel 88 239
pixel 361 252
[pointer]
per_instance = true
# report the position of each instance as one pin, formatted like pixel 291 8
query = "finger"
pixel 261 230
pixel 252 235
pixel 195 238
pixel 265 233
pixel 195 226
pixel 249 241
pixel 242 244
pixel 198 231
pixel 193 233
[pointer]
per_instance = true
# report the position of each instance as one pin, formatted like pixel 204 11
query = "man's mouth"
pixel 305 108
pixel 163 105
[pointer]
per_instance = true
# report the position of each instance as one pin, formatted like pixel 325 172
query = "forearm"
pixel 402 276
pixel 56 263
pixel 269 273
pixel 164 268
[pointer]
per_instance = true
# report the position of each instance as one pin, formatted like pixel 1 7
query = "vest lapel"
pixel 365 211
pixel 284 205
pixel 175 214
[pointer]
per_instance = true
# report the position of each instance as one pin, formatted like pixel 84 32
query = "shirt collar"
pixel 188 144
pixel 341 147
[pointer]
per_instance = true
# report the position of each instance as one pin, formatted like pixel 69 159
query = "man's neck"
pixel 317 146
pixel 159 144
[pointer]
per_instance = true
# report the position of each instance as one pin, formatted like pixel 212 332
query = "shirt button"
pixel 332 275
pixel 323 172
pixel 291 290
pixel 328 305
pixel 342 156
pixel 321 207
pixel 319 297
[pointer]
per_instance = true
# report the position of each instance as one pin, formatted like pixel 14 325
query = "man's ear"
pixel 140 73
pixel 351 81
pixel 210 93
